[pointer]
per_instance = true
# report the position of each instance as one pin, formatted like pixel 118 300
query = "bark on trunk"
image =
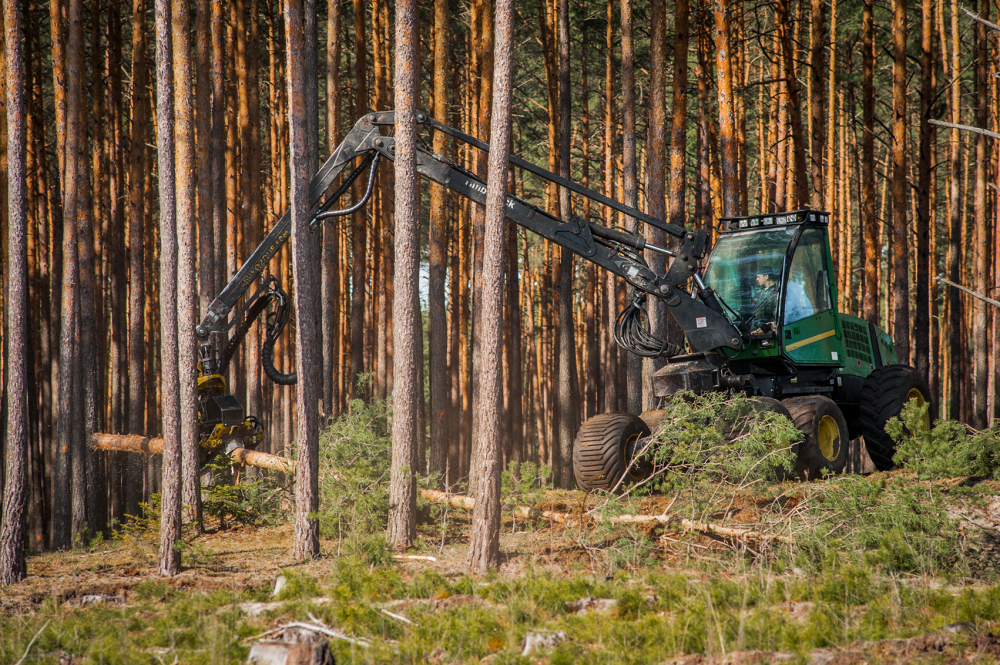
pixel 569 413
pixel 402 485
pixel 630 193
pixel 358 225
pixel 484 544
pixel 868 219
pixel 170 505
pixel 136 245
pixel 437 330
pixel 900 224
pixel 921 327
pixel 727 118
pixel 331 232
pixel 307 343
pixel 17 363
pixel 187 223
pixel 980 241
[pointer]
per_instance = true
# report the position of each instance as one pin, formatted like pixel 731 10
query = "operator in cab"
pixel 765 311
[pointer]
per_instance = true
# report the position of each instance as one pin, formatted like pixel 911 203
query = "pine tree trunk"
pixel 656 141
pixel 307 293
pixel 136 244
pixel 437 330
pixel 402 486
pixel 484 543
pixel 358 224
pixel 868 218
pixel 921 328
pixel 980 245
pixel 218 143
pixel 900 224
pixel 678 124
pixel 170 504
pixel 207 286
pixel 569 412
pixel 87 476
pixel 630 189
pixel 330 269
pixel 612 390
pixel 818 101
pixel 186 202
pixel 17 362
pixel 727 117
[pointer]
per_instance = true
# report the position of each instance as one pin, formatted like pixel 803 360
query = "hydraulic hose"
pixel 241 331
pixel 275 324
pixel 632 332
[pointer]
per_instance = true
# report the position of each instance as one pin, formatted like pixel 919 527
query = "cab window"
pixel 808 289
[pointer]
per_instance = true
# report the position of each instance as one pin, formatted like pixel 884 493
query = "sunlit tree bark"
pixel 17 363
pixel 307 343
pixel 484 544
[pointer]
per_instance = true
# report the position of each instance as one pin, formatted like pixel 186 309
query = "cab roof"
pixel 731 224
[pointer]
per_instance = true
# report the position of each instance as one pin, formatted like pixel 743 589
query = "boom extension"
pixel 616 250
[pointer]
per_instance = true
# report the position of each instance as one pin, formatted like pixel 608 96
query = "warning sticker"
pixel 701 322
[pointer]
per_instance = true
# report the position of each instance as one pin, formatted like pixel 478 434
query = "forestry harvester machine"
pixel 759 311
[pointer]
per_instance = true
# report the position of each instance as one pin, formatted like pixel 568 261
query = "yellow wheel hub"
pixel 828 437
pixel 916 396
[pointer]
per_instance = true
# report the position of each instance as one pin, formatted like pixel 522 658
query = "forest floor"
pixel 562 594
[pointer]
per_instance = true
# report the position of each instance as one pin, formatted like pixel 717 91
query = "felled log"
pixel 134 443
pixel 468 503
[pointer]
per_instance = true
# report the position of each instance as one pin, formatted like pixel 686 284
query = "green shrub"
pixel 719 439
pixel 948 450
pixel 355 458
pixel 231 495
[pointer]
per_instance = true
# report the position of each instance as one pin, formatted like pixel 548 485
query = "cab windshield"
pixel 745 270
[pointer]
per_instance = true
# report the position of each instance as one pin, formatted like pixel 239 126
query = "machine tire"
pixel 771 404
pixel 600 451
pixel 883 396
pixel 825 442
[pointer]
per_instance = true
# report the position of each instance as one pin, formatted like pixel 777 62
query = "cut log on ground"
pixel 133 443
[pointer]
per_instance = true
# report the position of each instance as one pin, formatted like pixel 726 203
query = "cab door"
pixel 810 330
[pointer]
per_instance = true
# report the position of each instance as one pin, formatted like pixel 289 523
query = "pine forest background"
pixel 836 91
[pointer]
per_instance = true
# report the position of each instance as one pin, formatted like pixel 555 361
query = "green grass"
pixel 659 614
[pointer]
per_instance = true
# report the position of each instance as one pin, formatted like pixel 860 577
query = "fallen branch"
pixel 972 293
pixel 980 19
pixel 32 642
pixel 468 503
pixel 326 631
pixel 967 128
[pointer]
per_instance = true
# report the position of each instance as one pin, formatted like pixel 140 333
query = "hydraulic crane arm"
pixel 700 316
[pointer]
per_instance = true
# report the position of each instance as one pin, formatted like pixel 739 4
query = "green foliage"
pixel 715 439
pixel 523 484
pixel 891 522
pixel 298 586
pixel 948 450
pixel 355 456
pixel 230 495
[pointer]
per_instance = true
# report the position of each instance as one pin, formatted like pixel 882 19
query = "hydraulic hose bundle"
pixel 632 332
pixel 276 321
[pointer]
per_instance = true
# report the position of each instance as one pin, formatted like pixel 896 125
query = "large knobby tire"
pixel 883 396
pixel 825 439
pixel 602 450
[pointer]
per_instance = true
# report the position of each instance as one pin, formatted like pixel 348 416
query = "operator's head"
pixel 765 278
